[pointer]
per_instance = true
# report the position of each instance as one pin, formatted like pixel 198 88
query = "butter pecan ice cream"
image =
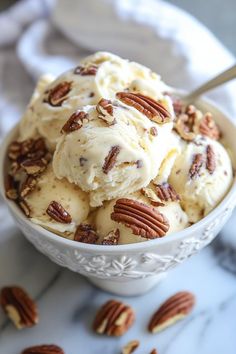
pixel 202 174
pixel 116 151
pixel 98 76
pixel 105 155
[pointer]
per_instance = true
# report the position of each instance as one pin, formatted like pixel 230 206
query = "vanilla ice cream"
pixel 202 174
pixel 109 160
pixel 47 189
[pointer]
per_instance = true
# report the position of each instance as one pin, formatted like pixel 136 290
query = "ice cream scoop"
pixel 202 174
pixel 106 227
pixel 50 192
pixel 112 149
pixel 98 76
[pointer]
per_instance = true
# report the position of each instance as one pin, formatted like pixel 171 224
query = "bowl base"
pixel 132 287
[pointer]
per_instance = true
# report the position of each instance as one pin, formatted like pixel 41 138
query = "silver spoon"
pixel 220 79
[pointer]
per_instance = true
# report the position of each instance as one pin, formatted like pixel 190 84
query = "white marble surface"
pixel 67 302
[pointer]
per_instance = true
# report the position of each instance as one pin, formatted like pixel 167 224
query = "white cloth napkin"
pixel 153 32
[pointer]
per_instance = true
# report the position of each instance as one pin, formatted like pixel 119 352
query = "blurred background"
pixel 218 15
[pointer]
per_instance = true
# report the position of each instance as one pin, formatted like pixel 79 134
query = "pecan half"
pixel 10 188
pixel 34 167
pixel 208 127
pixel 114 318
pixel 86 70
pixel 154 351
pixel 130 347
pixel 25 207
pixel 142 219
pixel 105 111
pixel 19 307
pixel 174 309
pixel 44 349
pixel 75 122
pixel 195 168
pixel 211 159
pixel 167 193
pixel 112 238
pixel 152 196
pixel 86 234
pixel 58 94
pixel 110 160
pixel 28 186
pixel 152 109
pixel 56 211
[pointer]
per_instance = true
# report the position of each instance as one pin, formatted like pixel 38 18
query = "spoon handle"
pixel 220 79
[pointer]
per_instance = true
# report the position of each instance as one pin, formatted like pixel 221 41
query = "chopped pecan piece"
pixel 110 160
pixel 153 131
pixel 174 309
pixel 34 167
pixel 195 168
pixel 114 318
pixel 208 127
pixel 130 347
pixel 152 109
pixel 105 111
pixel 58 94
pixel 152 196
pixel 25 207
pixel 167 193
pixel 211 159
pixel 28 186
pixel 10 188
pixel 86 70
pixel 142 219
pixel 112 238
pixel 185 126
pixel 44 349
pixel 86 234
pixel 14 150
pixel 75 122
pixel 56 211
pixel 18 305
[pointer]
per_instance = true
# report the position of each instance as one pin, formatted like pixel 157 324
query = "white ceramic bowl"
pixel 129 269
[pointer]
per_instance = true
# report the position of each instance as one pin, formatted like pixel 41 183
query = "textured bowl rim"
pixel 132 248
